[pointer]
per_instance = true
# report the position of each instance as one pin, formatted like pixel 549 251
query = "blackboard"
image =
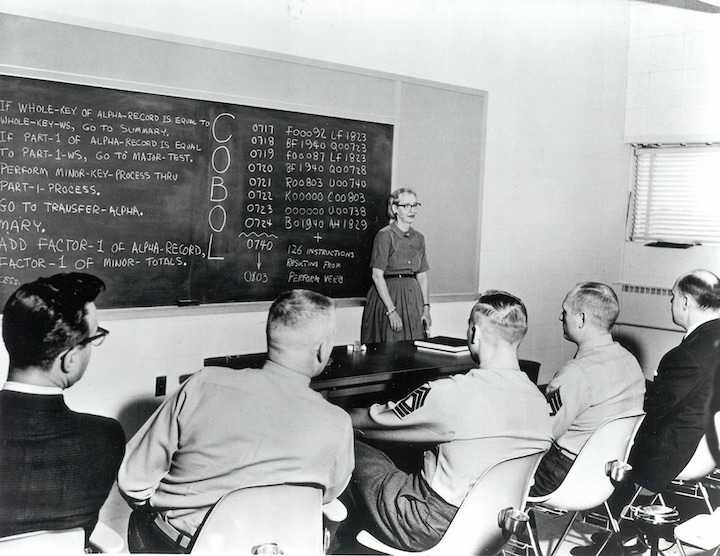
pixel 179 200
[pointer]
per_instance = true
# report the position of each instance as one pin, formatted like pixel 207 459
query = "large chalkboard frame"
pixel 439 129
pixel 176 201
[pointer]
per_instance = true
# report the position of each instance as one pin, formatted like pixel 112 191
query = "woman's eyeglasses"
pixel 409 205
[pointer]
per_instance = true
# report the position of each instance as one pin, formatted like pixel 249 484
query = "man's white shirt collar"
pixel 32 388
pixel 692 328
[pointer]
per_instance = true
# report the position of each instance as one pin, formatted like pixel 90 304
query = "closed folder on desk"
pixel 444 343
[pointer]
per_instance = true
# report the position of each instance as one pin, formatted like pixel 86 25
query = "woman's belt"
pixel 401 275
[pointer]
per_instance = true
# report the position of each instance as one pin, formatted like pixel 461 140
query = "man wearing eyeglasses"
pixel 56 466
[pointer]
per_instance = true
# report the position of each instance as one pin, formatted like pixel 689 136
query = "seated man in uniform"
pixel 226 429
pixel 603 381
pixel 56 466
pixel 473 421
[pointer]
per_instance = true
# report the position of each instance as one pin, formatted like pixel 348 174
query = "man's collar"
pixel 595 342
pixel 32 388
pixel 301 378
pixel 695 326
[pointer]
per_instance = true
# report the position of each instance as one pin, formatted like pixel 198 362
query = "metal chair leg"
pixel 534 544
pixel 705 496
pixel 565 532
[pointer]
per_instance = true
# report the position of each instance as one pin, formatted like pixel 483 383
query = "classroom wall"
pixel 556 169
pixel 673 96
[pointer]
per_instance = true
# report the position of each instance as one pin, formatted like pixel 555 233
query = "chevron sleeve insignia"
pixel 555 402
pixel 412 402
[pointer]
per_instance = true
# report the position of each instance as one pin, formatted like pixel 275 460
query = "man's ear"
pixel 321 352
pixel 582 319
pixel 68 359
pixel 474 334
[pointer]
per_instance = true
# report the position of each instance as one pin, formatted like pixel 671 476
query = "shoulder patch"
pixel 412 402
pixel 554 401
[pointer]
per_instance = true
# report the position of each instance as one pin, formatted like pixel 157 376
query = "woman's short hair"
pixel 506 313
pixel 394 198
pixel 598 301
pixel 41 319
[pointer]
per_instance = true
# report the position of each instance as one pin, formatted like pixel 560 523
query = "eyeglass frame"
pixel 99 335
pixel 408 205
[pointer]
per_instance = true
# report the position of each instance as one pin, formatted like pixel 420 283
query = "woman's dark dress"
pixel 396 253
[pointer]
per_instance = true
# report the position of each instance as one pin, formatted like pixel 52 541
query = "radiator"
pixel 645 305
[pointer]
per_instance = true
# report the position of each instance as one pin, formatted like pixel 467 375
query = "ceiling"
pixel 708 6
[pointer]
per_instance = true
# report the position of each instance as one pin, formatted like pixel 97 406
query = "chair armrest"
pixel 106 540
pixel 335 511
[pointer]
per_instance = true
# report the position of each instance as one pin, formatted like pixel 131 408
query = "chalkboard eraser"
pixel 186 302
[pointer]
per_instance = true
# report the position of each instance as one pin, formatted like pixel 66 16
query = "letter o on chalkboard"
pixel 221 215
pixel 215 156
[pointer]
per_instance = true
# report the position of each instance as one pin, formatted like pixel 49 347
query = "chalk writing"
pixel 170 198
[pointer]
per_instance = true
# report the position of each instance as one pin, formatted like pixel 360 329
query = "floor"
pixel 115 514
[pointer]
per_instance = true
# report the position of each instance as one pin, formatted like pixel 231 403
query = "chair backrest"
pixel 289 516
pixel 106 540
pixel 475 528
pixel 586 485
pixel 64 542
pixel 702 463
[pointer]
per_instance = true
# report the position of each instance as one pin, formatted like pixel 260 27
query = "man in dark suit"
pixel 677 400
pixel 56 466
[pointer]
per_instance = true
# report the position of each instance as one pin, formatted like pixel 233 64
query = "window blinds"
pixel 676 196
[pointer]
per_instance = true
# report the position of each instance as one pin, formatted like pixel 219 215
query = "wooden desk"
pixel 393 369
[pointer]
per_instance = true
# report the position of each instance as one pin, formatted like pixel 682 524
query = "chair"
pixel 589 483
pixel 61 542
pixel 687 483
pixel 479 526
pixel 700 465
pixel 702 530
pixel 264 520
pixel 106 540
pixel 64 541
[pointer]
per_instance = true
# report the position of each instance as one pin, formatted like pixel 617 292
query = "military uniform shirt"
pixel 476 419
pixel 603 381
pixel 229 428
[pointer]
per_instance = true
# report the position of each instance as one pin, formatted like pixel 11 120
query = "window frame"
pixel 659 208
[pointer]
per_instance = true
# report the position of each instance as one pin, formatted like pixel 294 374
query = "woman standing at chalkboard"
pixel 398 302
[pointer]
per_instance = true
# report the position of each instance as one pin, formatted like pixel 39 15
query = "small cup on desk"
pixel 355 347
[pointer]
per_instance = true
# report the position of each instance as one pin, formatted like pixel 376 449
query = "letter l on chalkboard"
pixel 210 256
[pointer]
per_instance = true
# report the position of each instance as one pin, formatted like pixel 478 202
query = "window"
pixel 676 194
